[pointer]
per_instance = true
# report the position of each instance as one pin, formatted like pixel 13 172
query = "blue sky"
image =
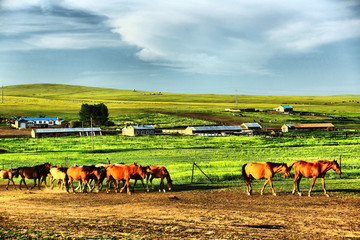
pixel 272 47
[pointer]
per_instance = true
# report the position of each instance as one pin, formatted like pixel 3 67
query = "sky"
pixel 272 47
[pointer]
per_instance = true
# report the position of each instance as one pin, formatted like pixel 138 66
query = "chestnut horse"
pixel 313 169
pixel 58 173
pixel 266 170
pixel 38 172
pixel 9 174
pixel 122 172
pixel 82 174
pixel 158 172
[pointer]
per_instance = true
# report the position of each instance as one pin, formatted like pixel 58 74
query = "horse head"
pixel 285 170
pixel 335 166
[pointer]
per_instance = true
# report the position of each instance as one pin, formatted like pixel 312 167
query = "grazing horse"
pixel 158 172
pixel 266 170
pixel 38 172
pixel 93 178
pixel 313 169
pixel 122 172
pixel 82 174
pixel 9 174
pixel 58 173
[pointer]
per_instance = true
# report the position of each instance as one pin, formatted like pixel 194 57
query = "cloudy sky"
pixel 277 47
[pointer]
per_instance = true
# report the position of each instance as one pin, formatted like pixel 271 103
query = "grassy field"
pixel 220 158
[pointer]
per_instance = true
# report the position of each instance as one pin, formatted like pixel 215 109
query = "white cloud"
pixel 204 36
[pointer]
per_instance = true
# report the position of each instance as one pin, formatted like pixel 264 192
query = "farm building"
pixel 36 123
pixel 251 126
pixel 284 109
pixel 58 132
pixel 138 130
pixel 308 127
pixel 203 130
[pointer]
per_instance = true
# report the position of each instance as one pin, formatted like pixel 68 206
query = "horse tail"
pixel 66 181
pixel 244 175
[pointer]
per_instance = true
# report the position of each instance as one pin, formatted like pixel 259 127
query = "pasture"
pixel 198 209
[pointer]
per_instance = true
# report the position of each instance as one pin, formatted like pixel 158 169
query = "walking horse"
pixel 82 174
pixel 266 170
pixel 38 172
pixel 9 174
pixel 313 170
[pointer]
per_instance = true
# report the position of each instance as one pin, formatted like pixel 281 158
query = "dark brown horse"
pixel 9 174
pixel 313 170
pixel 158 172
pixel 38 172
pixel 82 174
pixel 266 170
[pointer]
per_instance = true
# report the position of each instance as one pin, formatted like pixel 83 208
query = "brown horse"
pixel 313 169
pixel 9 174
pixel 82 174
pixel 266 170
pixel 58 173
pixel 158 172
pixel 122 172
pixel 38 172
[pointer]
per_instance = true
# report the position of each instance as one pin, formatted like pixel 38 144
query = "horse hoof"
pixel 299 194
pixel 274 194
pixel 327 195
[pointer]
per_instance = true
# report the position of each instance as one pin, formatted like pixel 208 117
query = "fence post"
pixel 202 172
pixel 66 160
pixel 192 174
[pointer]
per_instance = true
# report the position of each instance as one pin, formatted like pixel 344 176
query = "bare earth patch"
pixel 196 214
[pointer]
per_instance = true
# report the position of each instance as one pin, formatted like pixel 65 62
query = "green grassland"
pixel 221 158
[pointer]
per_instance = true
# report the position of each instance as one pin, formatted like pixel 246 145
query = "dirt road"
pixel 193 214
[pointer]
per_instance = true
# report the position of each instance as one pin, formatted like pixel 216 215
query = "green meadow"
pixel 221 158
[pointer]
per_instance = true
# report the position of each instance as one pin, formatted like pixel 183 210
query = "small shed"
pixel 59 132
pixel 138 130
pixel 204 130
pixel 284 109
pixel 308 127
pixel 251 126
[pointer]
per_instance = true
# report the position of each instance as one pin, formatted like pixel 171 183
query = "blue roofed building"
pixel 36 122
pixel 284 109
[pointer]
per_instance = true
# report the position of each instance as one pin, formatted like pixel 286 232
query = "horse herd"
pixel 87 174
pixel 124 172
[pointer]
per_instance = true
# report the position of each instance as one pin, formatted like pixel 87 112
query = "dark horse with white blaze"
pixel 313 170
pixel 266 170
pixel 38 172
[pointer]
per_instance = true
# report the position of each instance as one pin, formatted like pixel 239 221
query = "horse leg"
pixel 294 181
pixel 272 187
pixel 132 190
pixel 298 184
pixel 312 185
pixel 323 183
pixel 142 182
pixel 263 188
pixel 85 185
pixel 162 185
pixel 147 182
pixel 152 185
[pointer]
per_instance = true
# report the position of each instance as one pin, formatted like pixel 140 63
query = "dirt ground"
pixel 196 213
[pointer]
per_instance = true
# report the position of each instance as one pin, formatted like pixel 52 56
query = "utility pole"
pixel 92 134
pixel 2 94
pixel 236 100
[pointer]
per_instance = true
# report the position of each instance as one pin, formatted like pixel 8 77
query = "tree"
pixel 98 112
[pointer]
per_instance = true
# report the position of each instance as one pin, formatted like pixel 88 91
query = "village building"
pixel 59 132
pixel 212 130
pixel 251 126
pixel 284 109
pixel 36 123
pixel 138 130
pixel 308 127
